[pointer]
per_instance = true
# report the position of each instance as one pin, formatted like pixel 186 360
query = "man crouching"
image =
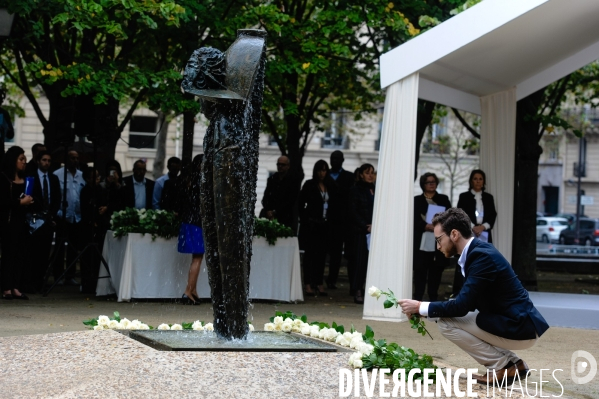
pixel 493 314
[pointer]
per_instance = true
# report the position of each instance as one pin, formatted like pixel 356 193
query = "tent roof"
pixel 496 45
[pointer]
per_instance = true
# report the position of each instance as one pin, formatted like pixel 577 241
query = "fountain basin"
pixel 257 341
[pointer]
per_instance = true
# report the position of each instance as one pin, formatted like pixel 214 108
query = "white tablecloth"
pixel 142 268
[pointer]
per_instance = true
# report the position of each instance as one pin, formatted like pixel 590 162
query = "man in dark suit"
pixel 339 237
pixel 31 166
pixel 46 195
pixel 281 194
pixel 493 313
pixel 138 190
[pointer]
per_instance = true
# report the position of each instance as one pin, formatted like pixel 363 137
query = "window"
pixel 333 136
pixel 143 131
pixel 541 222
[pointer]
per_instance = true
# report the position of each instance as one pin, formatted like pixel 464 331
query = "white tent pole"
pixel 390 260
pixel 497 160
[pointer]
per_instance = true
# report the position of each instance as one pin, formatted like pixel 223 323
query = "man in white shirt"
pixel 72 220
pixel 174 166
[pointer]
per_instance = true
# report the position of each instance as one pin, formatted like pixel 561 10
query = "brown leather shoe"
pixel 503 377
pixel 522 367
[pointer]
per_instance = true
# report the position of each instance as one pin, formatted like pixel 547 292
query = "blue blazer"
pixel 492 287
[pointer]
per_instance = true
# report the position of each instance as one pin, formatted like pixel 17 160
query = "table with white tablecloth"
pixel 144 268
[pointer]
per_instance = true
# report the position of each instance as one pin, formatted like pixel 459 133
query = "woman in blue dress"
pixel 191 238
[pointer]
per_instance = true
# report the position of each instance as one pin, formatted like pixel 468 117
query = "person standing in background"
pixel 428 263
pixel 174 166
pixel 280 196
pixel 70 223
pixel 6 129
pixel 46 195
pixel 138 190
pixel 480 208
pixel 340 237
pixel 361 209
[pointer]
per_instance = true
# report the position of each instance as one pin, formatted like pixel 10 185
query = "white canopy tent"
pixel 481 61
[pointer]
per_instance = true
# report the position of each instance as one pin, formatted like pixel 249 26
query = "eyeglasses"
pixel 438 239
pixel 431 182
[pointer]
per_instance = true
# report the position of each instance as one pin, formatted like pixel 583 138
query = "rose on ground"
pixel 269 327
pixel 144 326
pixel 296 328
pixel 287 327
pixel 331 334
pixel 278 320
pixel 98 327
pixel 197 326
pixel 355 341
pixel 125 323
pixel 355 360
pixel 365 349
pixel 314 331
pixel 163 326
pixel 306 329
pixel 298 322
pixel 103 321
pixel 251 327
pixel 114 325
pixel 342 340
pixel 209 327
pixel 176 327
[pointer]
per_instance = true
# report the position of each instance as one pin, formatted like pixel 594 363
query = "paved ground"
pixel 65 308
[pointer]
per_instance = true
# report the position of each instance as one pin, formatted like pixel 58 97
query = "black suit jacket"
pixel 492 288
pixel 468 204
pixel 38 197
pixel 342 212
pixel 129 193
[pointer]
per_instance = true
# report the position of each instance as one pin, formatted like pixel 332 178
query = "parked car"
pixel 549 228
pixel 589 233
pixel 570 216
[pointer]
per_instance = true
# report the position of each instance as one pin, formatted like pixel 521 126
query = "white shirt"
pixel 480 209
pixel 74 185
pixel 462 262
pixel 158 186
pixel 41 175
pixel 139 188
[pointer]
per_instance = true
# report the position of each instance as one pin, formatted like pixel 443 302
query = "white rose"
pixel 331 334
pixel 113 324
pixel 142 210
pixel 288 320
pixel 358 363
pixel 125 323
pixel 322 333
pixel 278 320
pixel 374 292
pixel 355 341
pixel 154 217
pixel 144 326
pixel 356 334
pixel 287 327
pixel 163 326
pixel 135 325
pixel 103 321
pixel 365 349
pixel 278 327
pixel 342 340
pixel 251 327
pixel 298 322
pixel 98 327
pixel 197 326
pixel 348 335
pixel 295 328
pixel 142 217
pixel 269 327
pixel 176 327
pixel 305 329
pixel 209 327
pixel 354 357
pixel 314 331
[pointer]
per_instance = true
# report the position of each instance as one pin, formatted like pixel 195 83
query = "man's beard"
pixel 451 252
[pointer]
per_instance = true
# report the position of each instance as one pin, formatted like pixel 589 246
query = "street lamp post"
pixel 5 22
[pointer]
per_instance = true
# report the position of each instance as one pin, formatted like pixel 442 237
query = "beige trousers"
pixel 488 349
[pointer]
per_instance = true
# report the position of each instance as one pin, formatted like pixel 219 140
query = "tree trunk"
pixel 158 167
pixel 423 120
pixel 528 152
pixel 188 128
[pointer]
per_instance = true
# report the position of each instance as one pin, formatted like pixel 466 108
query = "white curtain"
pixel 390 261
pixel 497 158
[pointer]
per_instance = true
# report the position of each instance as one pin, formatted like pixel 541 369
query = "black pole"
pixel 578 191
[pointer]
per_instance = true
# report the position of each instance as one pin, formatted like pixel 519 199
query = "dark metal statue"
pixel 230 86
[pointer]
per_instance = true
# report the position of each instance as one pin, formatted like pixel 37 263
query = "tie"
pixel 45 193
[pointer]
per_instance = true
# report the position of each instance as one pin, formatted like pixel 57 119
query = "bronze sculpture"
pixel 230 86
